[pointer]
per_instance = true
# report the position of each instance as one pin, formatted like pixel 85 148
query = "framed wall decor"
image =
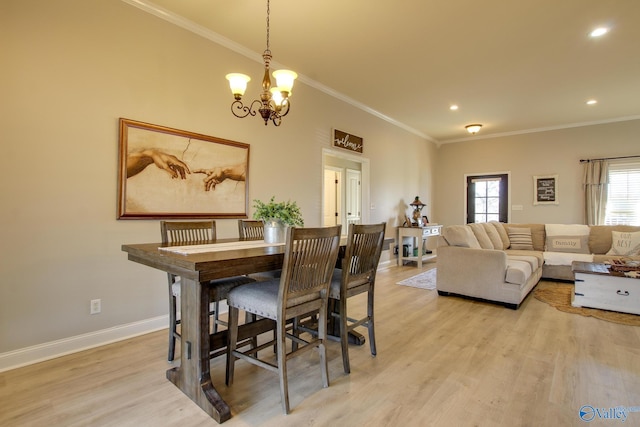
pixel 545 190
pixel 171 173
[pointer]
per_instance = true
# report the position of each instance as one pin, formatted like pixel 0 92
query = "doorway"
pixel 487 198
pixel 345 189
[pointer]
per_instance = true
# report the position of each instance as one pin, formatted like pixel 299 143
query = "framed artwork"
pixel 171 173
pixel 545 190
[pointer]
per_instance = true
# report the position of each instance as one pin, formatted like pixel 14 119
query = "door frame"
pixel 365 181
pixel 464 191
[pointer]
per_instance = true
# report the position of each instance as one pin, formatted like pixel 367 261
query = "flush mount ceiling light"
pixel 274 102
pixel 592 102
pixel 600 31
pixel 473 129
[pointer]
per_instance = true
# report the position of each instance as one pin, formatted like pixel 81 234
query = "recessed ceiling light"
pixel 592 102
pixel 454 107
pixel 600 31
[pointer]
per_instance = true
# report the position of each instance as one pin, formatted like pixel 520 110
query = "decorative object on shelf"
pixel 274 102
pixel 417 209
pixel 277 216
pixel 473 128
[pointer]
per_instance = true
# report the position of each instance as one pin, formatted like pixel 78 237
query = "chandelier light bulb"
pixel 238 83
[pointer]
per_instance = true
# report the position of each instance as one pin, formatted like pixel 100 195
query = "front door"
pixel 487 198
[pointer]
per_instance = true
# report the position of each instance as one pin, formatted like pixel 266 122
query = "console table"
pixel 596 286
pixel 419 235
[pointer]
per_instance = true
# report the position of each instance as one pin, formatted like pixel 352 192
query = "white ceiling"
pixel 516 66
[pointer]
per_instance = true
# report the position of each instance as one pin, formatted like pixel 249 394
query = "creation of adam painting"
pixel 170 173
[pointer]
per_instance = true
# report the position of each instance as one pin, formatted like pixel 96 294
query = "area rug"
pixel 558 295
pixel 424 280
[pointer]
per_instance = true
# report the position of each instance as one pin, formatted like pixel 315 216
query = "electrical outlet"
pixel 96 306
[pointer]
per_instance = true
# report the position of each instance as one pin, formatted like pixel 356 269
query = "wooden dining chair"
pixel 249 229
pixel 357 276
pixel 193 233
pixel 309 260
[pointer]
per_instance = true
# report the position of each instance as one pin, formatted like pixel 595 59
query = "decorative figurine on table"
pixel 417 209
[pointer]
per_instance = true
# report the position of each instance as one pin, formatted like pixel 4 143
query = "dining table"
pixel 197 265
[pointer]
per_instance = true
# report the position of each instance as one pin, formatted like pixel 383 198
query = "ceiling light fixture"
pixel 473 129
pixel 592 102
pixel 600 31
pixel 454 107
pixel 274 102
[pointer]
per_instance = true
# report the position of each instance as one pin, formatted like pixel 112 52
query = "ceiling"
pixel 513 66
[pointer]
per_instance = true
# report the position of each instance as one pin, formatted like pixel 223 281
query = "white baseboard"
pixel 51 350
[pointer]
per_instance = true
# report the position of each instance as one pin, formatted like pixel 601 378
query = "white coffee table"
pixel 596 286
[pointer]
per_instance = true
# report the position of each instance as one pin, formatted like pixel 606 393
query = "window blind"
pixel 623 202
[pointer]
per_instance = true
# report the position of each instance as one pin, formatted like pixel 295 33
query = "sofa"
pixel 502 263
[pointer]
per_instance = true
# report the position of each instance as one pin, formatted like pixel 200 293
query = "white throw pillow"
pixel 573 244
pixel 625 243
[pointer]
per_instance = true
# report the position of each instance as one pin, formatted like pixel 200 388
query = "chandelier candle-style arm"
pixel 274 101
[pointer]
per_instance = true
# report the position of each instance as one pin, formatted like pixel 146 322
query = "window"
pixel 623 200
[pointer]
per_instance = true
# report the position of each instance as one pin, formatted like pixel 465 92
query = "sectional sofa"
pixel 503 262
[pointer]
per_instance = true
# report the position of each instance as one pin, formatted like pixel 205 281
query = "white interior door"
pixel 332 196
pixel 353 196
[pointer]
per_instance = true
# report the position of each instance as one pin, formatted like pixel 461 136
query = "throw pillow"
pixel 625 244
pixel 571 244
pixel 460 235
pixel 481 235
pixel 520 238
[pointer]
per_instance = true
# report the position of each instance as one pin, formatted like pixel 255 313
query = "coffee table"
pixel 597 286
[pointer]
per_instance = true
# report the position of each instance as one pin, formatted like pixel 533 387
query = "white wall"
pixel 70 69
pixel 543 153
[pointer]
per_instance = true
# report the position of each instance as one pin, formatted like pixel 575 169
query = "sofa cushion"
pixel 565 258
pixel 537 234
pixel 502 232
pixel 566 229
pixel 600 241
pixel 533 261
pixel 520 238
pixel 573 244
pixel 518 272
pixel 481 234
pixel 460 235
pixel 625 243
pixel 493 235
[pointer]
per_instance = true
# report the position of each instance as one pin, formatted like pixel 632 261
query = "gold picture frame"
pixel 171 173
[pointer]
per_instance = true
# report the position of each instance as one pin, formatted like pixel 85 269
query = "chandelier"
pixel 274 102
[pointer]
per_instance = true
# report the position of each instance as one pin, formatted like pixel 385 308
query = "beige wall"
pixel 524 156
pixel 70 69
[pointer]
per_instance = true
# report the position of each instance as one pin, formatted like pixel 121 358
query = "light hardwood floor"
pixel 442 361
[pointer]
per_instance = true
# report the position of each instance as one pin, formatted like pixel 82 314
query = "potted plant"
pixel 276 217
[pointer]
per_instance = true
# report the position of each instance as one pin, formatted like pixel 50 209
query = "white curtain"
pixel 594 182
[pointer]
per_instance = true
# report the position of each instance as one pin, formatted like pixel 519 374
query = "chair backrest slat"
pixel 187 232
pixel 250 229
pixel 310 256
pixel 364 246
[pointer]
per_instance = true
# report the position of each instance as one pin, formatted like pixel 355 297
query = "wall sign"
pixel 545 190
pixel 347 141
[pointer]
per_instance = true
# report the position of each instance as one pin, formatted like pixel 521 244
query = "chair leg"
pixel 231 346
pixel 172 328
pixel 344 335
pixel 322 335
pixel 216 316
pixel 371 323
pixel 281 352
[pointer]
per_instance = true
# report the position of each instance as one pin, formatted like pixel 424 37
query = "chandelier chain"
pixel 268 11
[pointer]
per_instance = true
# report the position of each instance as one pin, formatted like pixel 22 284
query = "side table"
pixel 419 235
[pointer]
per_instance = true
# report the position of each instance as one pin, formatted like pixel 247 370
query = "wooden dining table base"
pixel 193 375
